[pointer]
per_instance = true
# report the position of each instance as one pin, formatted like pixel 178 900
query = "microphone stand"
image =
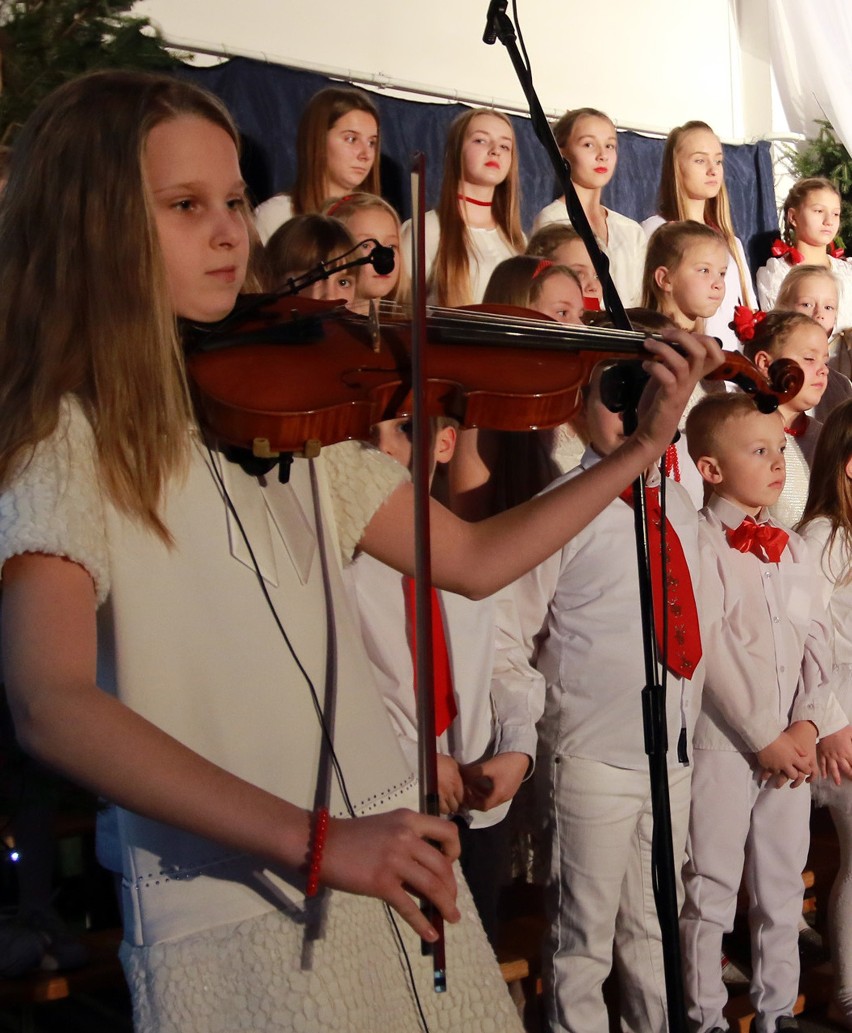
pixel 382 258
pixel 499 26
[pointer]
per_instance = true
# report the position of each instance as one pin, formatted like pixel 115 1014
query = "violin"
pixel 291 374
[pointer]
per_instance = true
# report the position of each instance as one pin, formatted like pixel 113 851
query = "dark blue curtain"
pixel 267 101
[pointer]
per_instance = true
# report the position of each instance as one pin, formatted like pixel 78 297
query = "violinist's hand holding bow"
pixel 388 856
pixel 674 375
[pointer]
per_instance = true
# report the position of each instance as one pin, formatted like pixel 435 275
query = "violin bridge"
pixel 373 325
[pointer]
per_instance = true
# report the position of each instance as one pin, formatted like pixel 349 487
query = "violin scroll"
pixel 783 382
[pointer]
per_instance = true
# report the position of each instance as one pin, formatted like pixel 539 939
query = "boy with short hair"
pixel 768 663
pixel 582 608
pixel 487 700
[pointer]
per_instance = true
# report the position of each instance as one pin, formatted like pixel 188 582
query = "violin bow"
pixel 421 455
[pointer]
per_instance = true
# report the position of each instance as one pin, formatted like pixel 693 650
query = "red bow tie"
pixel 781 250
pixel 764 540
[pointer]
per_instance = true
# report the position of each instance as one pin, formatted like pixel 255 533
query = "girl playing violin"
pixel 171 624
pixel 477 223
pixel 337 144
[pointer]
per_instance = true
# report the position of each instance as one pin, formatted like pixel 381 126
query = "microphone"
pixel 495 9
pixel 382 259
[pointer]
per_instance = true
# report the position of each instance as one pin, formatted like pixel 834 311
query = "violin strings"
pixel 502 324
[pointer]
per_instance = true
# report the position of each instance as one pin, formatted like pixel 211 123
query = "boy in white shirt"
pixel 582 607
pixel 768 662
pixel 487 739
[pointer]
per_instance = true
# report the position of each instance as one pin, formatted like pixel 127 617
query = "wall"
pixel 650 65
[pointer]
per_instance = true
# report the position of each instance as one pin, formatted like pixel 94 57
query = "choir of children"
pixel 751 622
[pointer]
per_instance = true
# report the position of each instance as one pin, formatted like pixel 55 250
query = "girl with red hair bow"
pixel 811 218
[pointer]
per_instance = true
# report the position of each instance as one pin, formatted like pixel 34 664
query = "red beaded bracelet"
pixel 317 847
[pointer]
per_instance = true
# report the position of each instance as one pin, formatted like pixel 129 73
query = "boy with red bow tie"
pixel 768 662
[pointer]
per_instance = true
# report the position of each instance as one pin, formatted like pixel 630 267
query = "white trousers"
pixel 840 910
pixel 739 826
pixel 601 897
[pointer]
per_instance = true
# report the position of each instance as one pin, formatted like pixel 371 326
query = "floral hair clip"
pixel 745 322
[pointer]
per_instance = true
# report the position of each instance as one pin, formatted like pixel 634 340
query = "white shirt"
pixel 187 640
pixel 488 249
pixel 625 248
pixel 717 326
pixel 832 564
pixel 582 608
pixel 766 636
pixel 798 457
pixel 271 214
pixel 498 698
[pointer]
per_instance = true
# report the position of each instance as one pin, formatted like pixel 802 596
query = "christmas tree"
pixel 827 157
pixel 43 43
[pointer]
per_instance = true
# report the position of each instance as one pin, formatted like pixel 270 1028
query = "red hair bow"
pixel 745 322
pixel 835 251
pixel 781 250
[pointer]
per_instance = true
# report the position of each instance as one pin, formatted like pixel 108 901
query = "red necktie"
pixel 445 700
pixel 683 639
pixel 764 540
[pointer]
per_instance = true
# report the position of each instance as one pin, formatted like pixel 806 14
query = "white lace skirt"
pixel 249 977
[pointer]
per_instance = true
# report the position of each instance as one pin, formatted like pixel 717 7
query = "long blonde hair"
pixel 671 203
pixel 84 301
pixel 450 278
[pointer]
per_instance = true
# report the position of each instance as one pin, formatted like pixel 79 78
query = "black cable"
pixel 311 687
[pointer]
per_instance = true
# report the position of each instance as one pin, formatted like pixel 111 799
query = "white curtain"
pixel 811 54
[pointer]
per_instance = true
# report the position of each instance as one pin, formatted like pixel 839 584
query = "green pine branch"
pixel 44 43
pixel 826 156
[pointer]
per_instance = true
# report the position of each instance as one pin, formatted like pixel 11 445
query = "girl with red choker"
pixel 477 222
